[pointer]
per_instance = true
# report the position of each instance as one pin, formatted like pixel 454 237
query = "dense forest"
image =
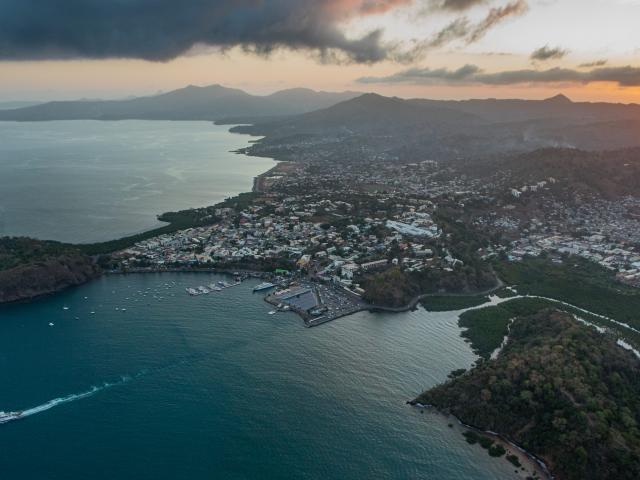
pixel 561 390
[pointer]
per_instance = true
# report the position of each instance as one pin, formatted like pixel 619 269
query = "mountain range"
pixel 213 102
pixel 417 128
pixel 408 127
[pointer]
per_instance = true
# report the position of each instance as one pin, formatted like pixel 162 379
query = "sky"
pixel 64 49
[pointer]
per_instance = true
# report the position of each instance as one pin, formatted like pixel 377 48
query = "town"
pixel 327 230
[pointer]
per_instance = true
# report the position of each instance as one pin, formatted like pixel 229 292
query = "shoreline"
pixel 535 463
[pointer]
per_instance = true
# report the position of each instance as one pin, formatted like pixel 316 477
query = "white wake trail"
pixel 69 398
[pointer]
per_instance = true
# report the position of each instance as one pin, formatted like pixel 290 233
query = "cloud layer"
pixel 164 29
pixel 548 53
pixel 471 74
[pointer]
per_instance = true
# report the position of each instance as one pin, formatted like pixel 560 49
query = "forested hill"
pixel 561 390
pixel 30 268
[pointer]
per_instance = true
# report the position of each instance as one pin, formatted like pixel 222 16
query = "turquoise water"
pixel 84 181
pixel 209 387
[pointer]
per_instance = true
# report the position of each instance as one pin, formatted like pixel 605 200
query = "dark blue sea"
pixel 212 387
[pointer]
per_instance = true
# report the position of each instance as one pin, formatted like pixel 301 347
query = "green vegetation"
pixel 449 303
pixel 561 390
pixel 395 287
pixel 487 327
pixel 497 450
pixel 505 293
pixel 16 251
pixel 514 460
pixel 471 436
pixel 576 281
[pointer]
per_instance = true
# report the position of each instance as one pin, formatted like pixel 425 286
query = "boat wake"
pixel 10 416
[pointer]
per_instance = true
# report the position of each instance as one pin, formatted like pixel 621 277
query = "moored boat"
pixel 263 286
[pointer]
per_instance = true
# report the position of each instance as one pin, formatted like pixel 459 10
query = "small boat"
pixel 65 308
pixel 8 416
pixel 123 309
pixel 272 312
pixel 51 324
pixel 93 313
pixel 263 286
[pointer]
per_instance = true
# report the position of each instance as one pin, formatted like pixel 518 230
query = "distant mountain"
pixel 17 104
pixel 415 129
pixel 214 102
pixel 369 114
pixel 558 107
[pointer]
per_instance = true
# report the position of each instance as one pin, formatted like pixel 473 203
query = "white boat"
pixel 51 324
pixel 263 286
pixel 272 312
pixel 65 308
pixel 8 416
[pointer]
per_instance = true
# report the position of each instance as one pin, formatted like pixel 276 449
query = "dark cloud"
pixel 597 63
pixel 471 74
pixel 427 75
pixel 457 5
pixel 545 53
pixel 164 29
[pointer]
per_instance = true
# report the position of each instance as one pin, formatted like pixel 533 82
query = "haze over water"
pixel 214 387
pixel 85 181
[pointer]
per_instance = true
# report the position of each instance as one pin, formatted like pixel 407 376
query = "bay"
pixel 182 387
pixel 86 181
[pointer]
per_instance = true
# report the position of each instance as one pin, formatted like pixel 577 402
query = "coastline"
pixel 535 464
pixel 169 222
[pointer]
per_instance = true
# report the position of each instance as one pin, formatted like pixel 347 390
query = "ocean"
pixel 179 387
pixel 87 181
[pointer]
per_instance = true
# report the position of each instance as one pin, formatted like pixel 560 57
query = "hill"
pixel 213 102
pixel 411 130
pixel 561 390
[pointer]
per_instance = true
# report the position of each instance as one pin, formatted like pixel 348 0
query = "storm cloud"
pixel 160 30
pixel 627 76
pixel 545 53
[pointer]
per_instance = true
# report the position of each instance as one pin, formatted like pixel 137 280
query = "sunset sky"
pixel 587 49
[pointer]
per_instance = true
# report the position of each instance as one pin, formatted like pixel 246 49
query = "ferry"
pixel 8 416
pixel 263 286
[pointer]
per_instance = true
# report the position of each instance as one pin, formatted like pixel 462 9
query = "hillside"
pixel 412 130
pixel 561 390
pixel 213 102
pixel 30 268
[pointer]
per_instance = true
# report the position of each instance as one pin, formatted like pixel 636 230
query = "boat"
pixel 51 324
pixel 263 286
pixel 65 308
pixel 272 312
pixel 203 289
pixel 192 291
pixel 8 416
